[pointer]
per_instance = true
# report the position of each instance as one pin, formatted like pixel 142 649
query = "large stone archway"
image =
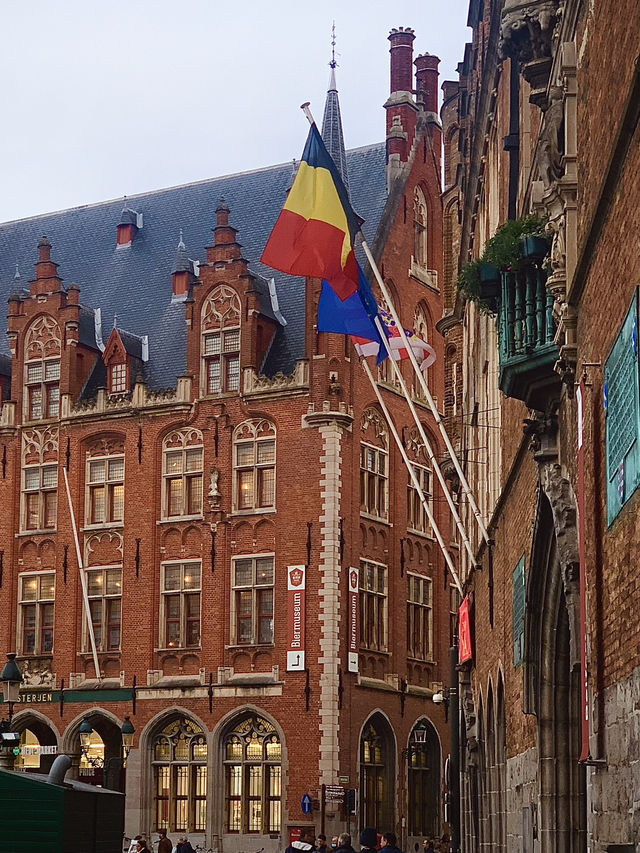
pixel 552 673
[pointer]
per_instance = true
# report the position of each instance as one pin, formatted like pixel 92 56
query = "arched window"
pixel 377 772
pixel 424 780
pixel 254 459
pixel 182 467
pixel 421 327
pixel 42 370
pixel 417 518
pixel 252 756
pixel 419 228
pixel 179 758
pixel 221 341
pixel 374 465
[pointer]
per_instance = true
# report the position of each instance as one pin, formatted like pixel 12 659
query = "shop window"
pixel 253 778
pixel 179 760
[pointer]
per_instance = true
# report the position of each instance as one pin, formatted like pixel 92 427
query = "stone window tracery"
pixel 254 449
pixel 253 777
pixel 42 350
pixel 39 508
pixel 221 341
pixel 179 758
pixel 182 473
pixel 374 465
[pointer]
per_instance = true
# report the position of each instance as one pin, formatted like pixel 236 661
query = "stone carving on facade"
pixel 39 445
pixel 256 383
pixel 550 142
pixel 106 445
pixel 36 672
pixel 373 420
pixel 43 339
pixel 221 309
pixel 214 492
pixel 526 36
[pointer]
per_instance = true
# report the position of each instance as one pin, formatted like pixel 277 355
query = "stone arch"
pixel 224 727
pixel 552 673
pixel 377 770
pixel 501 762
pixel 108 727
pixel 424 782
pixel 43 730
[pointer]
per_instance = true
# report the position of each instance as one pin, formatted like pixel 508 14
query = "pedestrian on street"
pixel 164 844
pixel 184 845
pixel 321 843
pixel 390 843
pixel 369 839
pixel 305 843
pixel 334 842
pixel 427 846
pixel 344 843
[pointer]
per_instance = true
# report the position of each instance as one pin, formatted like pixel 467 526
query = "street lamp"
pixel 11 680
pixel 127 732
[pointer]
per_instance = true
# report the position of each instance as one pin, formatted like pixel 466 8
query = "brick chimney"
pixel 427 82
pixel 225 244
pixel 47 279
pixel 400 106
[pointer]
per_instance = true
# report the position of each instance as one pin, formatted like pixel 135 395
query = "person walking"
pixel 184 845
pixel 321 843
pixel 305 843
pixel 389 843
pixel 344 843
pixel 427 846
pixel 369 839
pixel 164 844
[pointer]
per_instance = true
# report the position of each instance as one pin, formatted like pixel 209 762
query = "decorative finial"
pixel 333 62
pixel 115 321
pixel 17 275
pixel 181 244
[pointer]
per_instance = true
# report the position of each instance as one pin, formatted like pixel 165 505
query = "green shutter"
pixel 622 415
pixel 519 604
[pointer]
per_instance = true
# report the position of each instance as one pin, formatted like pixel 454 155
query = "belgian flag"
pixel 315 233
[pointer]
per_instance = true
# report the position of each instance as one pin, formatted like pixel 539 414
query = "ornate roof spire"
pixel 332 121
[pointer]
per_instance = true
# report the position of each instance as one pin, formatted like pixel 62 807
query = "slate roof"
pixel 134 282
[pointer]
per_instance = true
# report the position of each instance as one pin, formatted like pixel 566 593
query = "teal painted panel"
pixel 97 696
pixel 519 608
pixel 622 409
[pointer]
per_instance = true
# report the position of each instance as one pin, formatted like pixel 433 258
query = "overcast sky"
pixel 102 99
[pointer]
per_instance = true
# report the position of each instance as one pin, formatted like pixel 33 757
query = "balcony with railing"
pixel 526 330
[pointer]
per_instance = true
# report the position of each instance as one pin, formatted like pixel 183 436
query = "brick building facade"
pixel 544 120
pixel 217 449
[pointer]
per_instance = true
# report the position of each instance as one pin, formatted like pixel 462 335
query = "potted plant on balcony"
pixel 509 247
pixel 474 284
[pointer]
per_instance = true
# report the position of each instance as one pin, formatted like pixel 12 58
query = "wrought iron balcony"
pixel 526 329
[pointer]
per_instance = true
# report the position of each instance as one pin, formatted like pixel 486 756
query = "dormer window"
pixel 118 378
pixel 221 342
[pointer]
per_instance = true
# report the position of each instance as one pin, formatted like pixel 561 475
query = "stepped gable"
pixel 134 282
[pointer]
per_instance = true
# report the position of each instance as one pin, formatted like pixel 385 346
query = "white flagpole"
pixel 83 580
pixel 414 478
pixel 423 384
pixel 427 444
